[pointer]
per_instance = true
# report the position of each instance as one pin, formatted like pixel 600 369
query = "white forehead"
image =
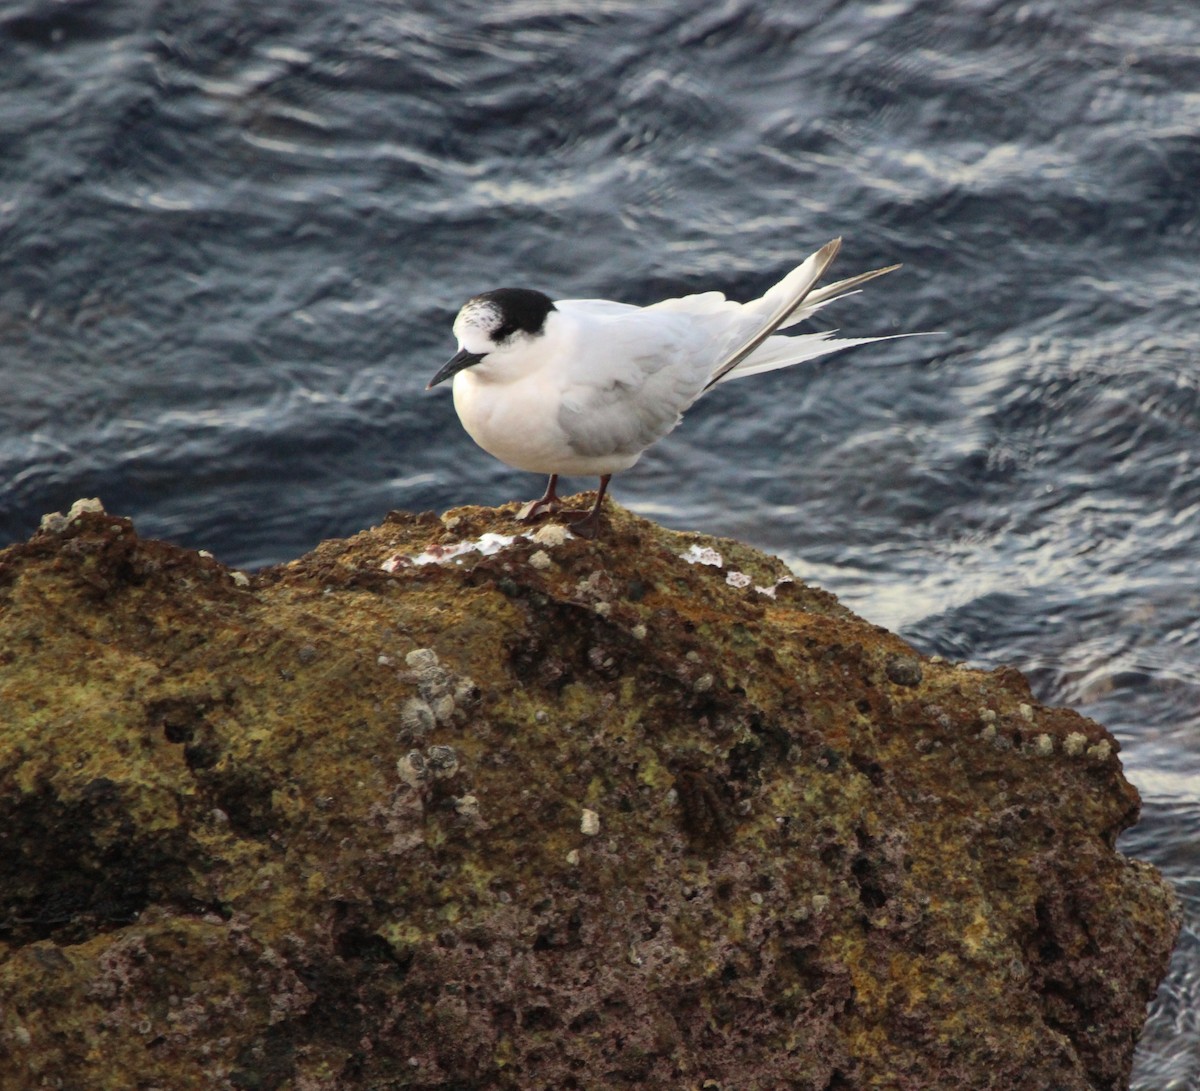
pixel 476 321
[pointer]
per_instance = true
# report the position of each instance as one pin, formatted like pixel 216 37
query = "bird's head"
pixel 495 331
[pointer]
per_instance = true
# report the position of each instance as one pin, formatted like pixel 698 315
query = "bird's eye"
pixel 504 332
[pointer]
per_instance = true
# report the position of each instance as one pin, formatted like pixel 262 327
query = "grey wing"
pixel 631 391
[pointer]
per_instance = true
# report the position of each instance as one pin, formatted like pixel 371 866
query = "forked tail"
pixel 790 301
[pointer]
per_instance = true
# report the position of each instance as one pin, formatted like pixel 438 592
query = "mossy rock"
pixel 554 814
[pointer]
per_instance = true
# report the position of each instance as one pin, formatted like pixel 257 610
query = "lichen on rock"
pixel 550 813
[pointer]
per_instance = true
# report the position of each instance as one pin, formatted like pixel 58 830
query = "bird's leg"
pixel 588 526
pixel 547 502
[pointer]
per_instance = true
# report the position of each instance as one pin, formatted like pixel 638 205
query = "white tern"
pixel 584 386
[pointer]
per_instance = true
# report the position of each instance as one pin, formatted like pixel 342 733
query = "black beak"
pixel 461 359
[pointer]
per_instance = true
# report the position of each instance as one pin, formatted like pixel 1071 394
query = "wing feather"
pixel 627 387
pixel 641 367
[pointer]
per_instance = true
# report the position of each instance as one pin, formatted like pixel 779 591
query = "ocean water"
pixel 233 238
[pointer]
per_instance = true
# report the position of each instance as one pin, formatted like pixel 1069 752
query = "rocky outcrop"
pixel 445 806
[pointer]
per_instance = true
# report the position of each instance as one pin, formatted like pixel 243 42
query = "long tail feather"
pixel 780 352
pixel 782 300
pixel 831 293
pixel 790 301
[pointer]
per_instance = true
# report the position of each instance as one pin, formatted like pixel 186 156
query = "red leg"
pixel 547 502
pixel 588 526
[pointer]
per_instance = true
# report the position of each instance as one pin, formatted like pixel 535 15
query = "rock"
pixel 241 847
pixel 55 522
pixel 903 670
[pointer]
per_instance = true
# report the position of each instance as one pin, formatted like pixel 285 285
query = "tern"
pixel 584 386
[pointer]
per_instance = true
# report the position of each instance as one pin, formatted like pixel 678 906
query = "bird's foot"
pixel 587 524
pixel 538 507
pixel 583 524
pixel 548 501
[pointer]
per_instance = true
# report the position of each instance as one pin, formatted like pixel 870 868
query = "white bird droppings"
pixel 698 554
pixel 771 591
pixel 486 545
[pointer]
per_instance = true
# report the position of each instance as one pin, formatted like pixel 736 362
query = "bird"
pixel 584 386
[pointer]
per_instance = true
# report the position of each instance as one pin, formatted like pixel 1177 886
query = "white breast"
pixel 517 422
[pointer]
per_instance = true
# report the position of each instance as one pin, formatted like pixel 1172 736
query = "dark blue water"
pixel 233 237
